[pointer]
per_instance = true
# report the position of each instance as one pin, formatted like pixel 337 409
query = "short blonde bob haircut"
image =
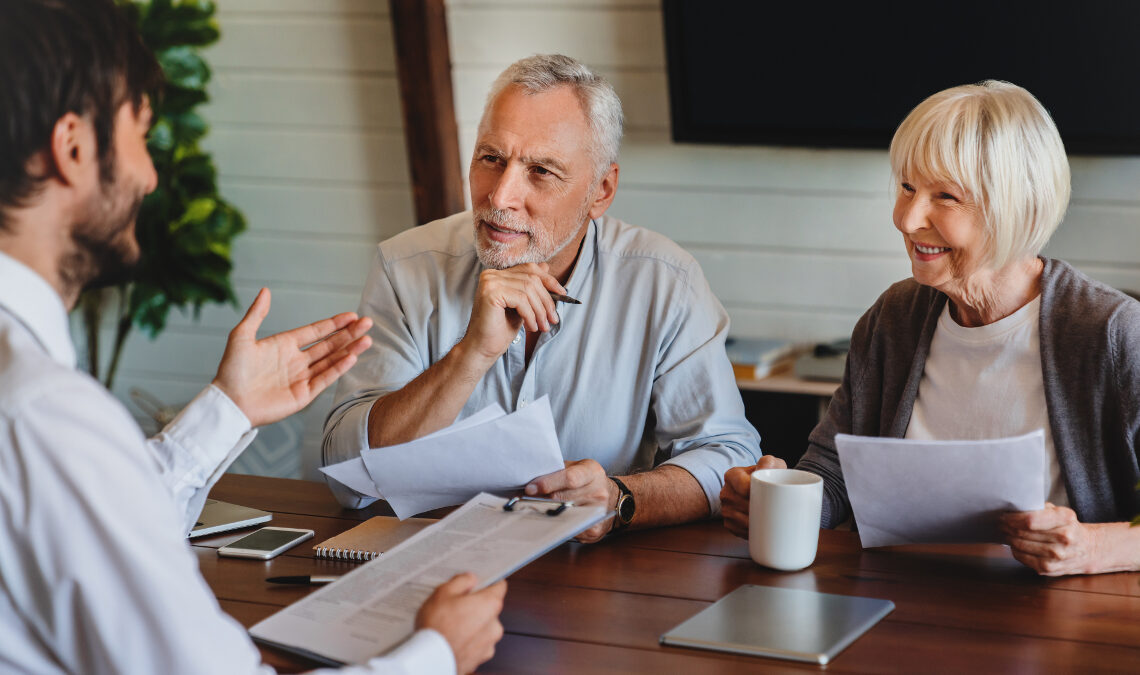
pixel 998 143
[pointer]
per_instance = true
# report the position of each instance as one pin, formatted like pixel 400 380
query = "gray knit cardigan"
pixel 1090 360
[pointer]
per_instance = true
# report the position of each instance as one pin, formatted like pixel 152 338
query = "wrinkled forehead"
pixel 548 123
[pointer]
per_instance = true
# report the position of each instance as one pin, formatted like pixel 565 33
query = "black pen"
pixel 564 298
pixel 304 580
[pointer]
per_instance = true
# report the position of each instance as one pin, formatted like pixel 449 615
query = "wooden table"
pixel 601 608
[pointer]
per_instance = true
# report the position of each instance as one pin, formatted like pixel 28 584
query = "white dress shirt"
pixel 637 374
pixel 96 575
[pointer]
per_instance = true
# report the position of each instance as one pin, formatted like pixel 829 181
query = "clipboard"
pixel 782 623
pixel 372 608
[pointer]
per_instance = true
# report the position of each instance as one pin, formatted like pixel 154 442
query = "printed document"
pixel 908 492
pixel 373 608
pixel 488 452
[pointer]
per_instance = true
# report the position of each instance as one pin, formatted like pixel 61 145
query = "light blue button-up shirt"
pixel 637 374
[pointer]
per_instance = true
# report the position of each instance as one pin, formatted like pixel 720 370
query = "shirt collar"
pixel 577 280
pixel 32 300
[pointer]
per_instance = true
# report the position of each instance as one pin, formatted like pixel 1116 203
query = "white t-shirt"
pixel 986 382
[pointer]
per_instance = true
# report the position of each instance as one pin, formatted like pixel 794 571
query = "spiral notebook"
pixel 370 538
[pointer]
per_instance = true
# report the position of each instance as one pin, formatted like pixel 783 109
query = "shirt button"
pixel 517 338
pixel 522 403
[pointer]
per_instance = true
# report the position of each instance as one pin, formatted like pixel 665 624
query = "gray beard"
pixel 493 257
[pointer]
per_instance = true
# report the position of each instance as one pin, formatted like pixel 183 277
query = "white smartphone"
pixel 266 543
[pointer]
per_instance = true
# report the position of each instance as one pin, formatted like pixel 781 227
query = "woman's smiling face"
pixel 944 232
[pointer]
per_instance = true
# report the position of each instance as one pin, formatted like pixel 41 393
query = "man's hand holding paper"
pixel 581 482
pixel 488 452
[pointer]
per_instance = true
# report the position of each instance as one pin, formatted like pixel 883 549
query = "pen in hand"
pixel 319 340
pixel 304 580
pixel 564 298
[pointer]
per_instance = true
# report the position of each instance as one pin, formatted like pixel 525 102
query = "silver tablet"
pixel 783 623
pixel 220 516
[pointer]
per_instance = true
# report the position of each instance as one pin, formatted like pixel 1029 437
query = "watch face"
pixel 625 508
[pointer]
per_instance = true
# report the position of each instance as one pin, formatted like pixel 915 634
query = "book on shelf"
pixel 759 357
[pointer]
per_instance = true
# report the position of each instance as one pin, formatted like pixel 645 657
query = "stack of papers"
pixel 490 451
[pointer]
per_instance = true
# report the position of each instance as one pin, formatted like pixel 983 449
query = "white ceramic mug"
pixel 783 518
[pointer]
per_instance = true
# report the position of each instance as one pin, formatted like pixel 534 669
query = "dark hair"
pixel 61 56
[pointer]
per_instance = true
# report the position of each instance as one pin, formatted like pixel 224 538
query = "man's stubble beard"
pixel 540 248
pixel 104 251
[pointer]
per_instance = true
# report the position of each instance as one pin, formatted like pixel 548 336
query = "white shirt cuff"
pixel 210 426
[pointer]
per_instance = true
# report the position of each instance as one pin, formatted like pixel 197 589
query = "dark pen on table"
pixel 305 580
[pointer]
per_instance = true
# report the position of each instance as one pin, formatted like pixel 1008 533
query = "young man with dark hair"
pixel 95 572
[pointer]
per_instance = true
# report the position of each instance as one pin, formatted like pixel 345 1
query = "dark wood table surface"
pixel 601 608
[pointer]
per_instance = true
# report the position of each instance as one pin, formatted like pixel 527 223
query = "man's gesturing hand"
pixel 271 378
pixel 582 482
pixel 468 621
pixel 507 300
pixel 737 492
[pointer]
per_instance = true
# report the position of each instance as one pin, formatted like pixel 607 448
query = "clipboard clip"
pixel 557 506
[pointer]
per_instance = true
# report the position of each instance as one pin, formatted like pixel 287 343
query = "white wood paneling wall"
pixel 307 135
pixel 308 138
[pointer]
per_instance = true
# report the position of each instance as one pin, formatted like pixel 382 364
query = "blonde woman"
pixel 991 340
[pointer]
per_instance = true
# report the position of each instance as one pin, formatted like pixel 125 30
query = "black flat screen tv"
pixel 844 74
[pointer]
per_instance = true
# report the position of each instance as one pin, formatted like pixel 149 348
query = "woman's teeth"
pixel 930 250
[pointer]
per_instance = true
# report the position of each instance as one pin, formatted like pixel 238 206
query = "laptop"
pixel 218 516
pixel 783 623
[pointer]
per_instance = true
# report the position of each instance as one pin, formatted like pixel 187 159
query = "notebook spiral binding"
pixel 343 554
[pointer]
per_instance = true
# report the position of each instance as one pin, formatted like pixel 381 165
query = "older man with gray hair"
pixel 648 414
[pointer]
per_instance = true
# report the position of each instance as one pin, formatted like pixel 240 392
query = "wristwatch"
pixel 625 506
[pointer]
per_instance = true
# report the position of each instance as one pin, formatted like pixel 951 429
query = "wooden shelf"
pixel 783 381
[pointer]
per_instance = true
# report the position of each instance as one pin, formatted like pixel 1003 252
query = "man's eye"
pixel 542 171
pixel 491 159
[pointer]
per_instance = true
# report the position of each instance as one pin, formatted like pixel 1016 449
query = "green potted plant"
pixel 185 229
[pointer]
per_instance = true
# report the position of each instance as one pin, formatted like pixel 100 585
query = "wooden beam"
pixel 423 60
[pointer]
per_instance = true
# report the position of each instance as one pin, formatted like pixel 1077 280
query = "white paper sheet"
pixel 487 452
pixel 906 492
pixel 373 608
pixel 354 474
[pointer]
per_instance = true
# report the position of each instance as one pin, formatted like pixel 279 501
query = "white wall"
pixel 308 138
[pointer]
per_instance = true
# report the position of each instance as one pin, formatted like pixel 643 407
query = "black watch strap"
pixel 625 505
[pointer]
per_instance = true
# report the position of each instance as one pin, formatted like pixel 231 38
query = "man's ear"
pixel 605 192
pixel 72 149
